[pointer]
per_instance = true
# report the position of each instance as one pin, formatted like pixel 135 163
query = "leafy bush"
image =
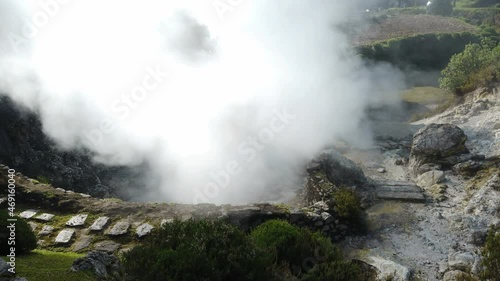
pixel 294 246
pixel 427 51
pixel 440 7
pixel 337 271
pixel 25 238
pixel 491 255
pixel 214 250
pixel 478 65
pixel 196 250
pixel 347 204
pixel 483 16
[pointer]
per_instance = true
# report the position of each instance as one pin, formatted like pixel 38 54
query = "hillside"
pixel 409 25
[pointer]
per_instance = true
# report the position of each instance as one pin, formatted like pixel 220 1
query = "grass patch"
pixel 427 96
pixel 41 265
pixel 438 100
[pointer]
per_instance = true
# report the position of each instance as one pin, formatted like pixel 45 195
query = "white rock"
pixel 64 236
pixel 99 223
pixel 143 229
pixel 27 214
pixel 44 217
pixel 427 179
pixel 46 230
pixel 77 220
pixel 325 215
pixel 119 228
pixel 387 268
pixel 33 225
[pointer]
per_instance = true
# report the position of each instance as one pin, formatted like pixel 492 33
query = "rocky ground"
pixel 438 236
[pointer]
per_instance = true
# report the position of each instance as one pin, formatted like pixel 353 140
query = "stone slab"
pixel 44 217
pixel 64 236
pixel 28 214
pixel 77 220
pixel 99 223
pixel 46 230
pixel 82 242
pixel 107 246
pixel 33 225
pixel 143 230
pixel 401 191
pixel 119 228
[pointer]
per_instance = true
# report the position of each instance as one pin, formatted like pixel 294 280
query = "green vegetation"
pixel 440 7
pixel 347 204
pixel 478 65
pixel 437 99
pixel 291 245
pixel 491 255
pixel 338 271
pixel 42 179
pixel 215 250
pixel 427 96
pixel 427 51
pixel 478 16
pixel 196 250
pixel 25 238
pixel 41 265
pixel 476 3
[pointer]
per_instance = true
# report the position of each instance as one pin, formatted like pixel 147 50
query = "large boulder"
pixel 104 265
pixel 436 141
pixel 340 170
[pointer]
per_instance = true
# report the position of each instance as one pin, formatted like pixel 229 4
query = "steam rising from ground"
pixel 227 100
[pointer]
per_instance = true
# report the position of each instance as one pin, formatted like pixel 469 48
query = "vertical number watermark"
pixel 11 221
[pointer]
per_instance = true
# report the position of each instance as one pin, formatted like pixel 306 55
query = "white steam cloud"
pixel 227 100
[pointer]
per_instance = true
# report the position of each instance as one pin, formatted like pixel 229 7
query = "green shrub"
pixel 347 204
pixel 483 16
pixel 42 179
pixel 491 255
pixel 196 250
pixel 337 271
pixel 25 239
pixel 298 248
pixel 440 7
pixel 478 65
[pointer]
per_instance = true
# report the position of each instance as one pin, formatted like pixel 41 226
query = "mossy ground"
pixel 42 265
pixel 436 99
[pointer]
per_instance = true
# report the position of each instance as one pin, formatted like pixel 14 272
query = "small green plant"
pixel 491 256
pixel 25 239
pixel 347 204
pixel 288 244
pixel 42 179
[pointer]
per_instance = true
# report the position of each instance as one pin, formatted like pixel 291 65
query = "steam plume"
pixel 227 100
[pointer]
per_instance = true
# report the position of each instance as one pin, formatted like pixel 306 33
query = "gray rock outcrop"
pixel 436 141
pixel 341 170
pixel 103 264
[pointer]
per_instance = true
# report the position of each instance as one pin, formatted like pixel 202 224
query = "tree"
pixel 478 65
pixel 440 7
